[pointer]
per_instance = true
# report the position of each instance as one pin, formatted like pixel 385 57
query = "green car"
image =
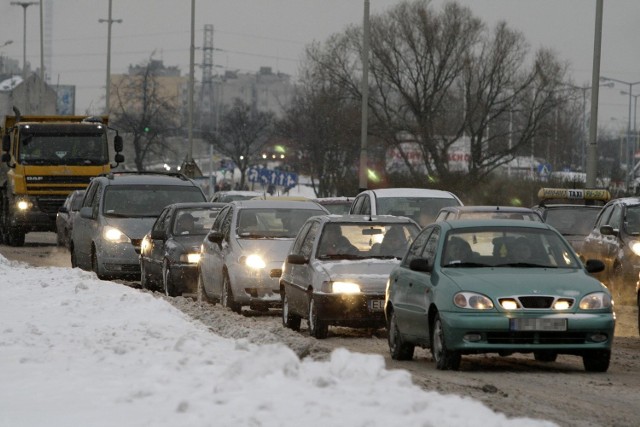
pixel 497 286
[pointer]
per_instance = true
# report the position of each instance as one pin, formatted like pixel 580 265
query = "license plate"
pixel 541 324
pixel 376 304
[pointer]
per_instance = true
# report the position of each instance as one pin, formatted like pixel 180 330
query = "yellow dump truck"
pixel 44 158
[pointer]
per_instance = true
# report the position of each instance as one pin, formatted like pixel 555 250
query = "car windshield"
pixel 576 221
pixel 337 208
pixel 146 200
pixel 194 221
pixel 64 149
pixel 507 247
pixel 365 240
pixel 423 210
pixel 277 222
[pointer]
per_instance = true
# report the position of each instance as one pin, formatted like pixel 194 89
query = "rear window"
pixel 146 200
pixel 423 210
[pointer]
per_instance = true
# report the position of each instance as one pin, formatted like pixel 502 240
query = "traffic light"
pixel 146 129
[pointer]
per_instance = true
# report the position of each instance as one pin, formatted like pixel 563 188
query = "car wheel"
pixel 227 295
pixel 444 358
pixel 15 237
pixel 545 356
pixel 59 239
pixel 95 267
pixel 317 328
pixel 167 284
pixel 399 348
pixel 201 295
pixel 144 277
pixel 289 320
pixel 74 261
pixel 596 360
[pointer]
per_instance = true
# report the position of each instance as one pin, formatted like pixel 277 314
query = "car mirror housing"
pixel 594 265
pixel 296 259
pixel 608 230
pixel 86 212
pixel 63 209
pixel 158 235
pixel 420 264
pixel 215 237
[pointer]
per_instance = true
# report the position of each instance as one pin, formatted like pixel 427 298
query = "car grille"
pixel 536 301
pixel 275 272
pixel 50 204
pixel 64 183
pixel 528 337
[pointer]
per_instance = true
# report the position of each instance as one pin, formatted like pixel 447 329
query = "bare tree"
pixel 145 113
pixel 242 135
pixel 324 127
pixel 438 76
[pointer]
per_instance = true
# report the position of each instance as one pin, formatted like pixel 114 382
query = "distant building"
pixel 31 96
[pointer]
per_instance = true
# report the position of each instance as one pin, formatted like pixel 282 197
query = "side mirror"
pixel 86 212
pixel 296 259
pixel 6 143
pixel 158 235
pixel 215 237
pixel 118 145
pixel 420 264
pixel 607 230
pixel 63 209
pixel 594 266
pixel 6 157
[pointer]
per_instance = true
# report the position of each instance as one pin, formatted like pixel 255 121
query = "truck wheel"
pixel 16 237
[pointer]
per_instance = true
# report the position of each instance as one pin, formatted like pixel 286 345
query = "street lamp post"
pixel 25 5
pixel 635 129
pixel 109 22
pixel 630 165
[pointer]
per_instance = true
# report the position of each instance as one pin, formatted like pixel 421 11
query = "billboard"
pixel 66 99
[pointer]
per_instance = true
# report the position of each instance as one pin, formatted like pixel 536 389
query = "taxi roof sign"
pixel 594 194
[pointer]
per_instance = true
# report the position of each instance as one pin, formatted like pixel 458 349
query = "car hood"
pixel 134 228
pixel 506 281
pixel 370 274
pixel 272 249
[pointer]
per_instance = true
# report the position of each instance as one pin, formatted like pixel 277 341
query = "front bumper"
pixel 255 287
pixel 34 220
pixel 119 260
pixel 492 332
pixel 184 277
pixel 352 310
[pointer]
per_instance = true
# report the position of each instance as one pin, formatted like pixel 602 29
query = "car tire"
pixel 144 277
pixel 15 237
pixel 317 327
pixel 59 239
pixel 289 320
pixel 398 347
pixel 227 295
pixel 545 355
pixel 95 267
pixel 445 359
pixel 167 284
pixel 596 360
pixel 74 260
pixel 201 295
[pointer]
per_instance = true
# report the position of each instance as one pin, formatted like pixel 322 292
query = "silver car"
pixel 242 255
pixel 337 270
pixel 117 211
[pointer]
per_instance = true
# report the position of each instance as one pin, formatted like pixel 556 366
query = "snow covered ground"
pixel 77 351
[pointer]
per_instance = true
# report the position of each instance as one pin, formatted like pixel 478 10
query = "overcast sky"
pixel 254 33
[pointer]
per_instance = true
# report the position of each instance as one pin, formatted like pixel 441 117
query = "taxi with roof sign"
pixel 571 211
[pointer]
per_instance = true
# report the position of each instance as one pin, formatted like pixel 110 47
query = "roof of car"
pixel 483 208
pixel 489 223
pixel 237 193
pixel 412 192
pixel 391 219
pixel 628 201
pixel 291 204
pixel 196 205
pixel 159 178
pixel 334 200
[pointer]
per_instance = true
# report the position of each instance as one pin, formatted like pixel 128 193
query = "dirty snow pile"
pixel 78 351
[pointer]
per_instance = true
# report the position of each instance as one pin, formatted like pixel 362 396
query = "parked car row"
pixel 465 280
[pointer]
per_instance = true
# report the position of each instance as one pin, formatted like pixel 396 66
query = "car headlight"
pixel 191 258
pixel 255 261
pixel 595 301
pixel 24 204
pixel 144 245
pixel 634 245
pixel 113 235
pixel 345 288
pixel 472 301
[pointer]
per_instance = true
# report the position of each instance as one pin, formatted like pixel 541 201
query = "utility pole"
pixel 109 22
pixel 592 149
pixel 364 171
pixel 25 5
